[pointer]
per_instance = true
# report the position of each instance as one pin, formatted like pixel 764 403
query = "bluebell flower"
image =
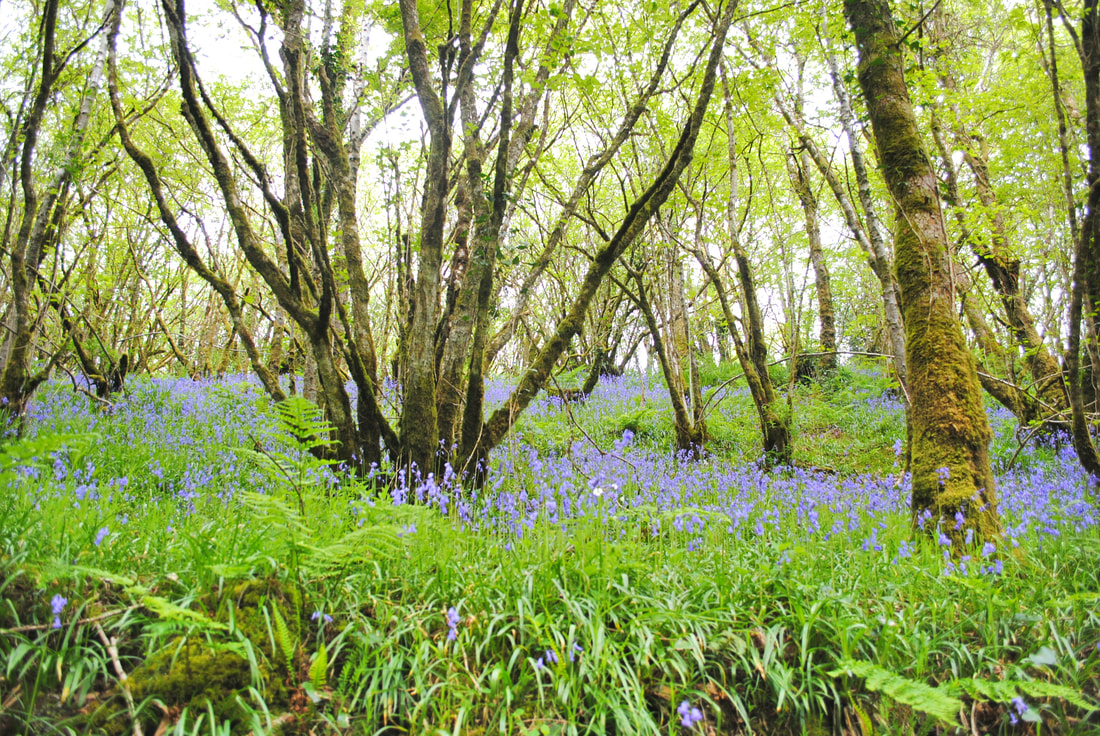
pixel 57 605
pixel 689 714
pixel 452 623
pixel 1020 707
pixel 101 535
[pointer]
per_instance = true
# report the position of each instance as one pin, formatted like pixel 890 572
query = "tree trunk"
pixel 690 435
pixel 638 214
pixel 753 351
pixel 1086 261
pixel 799 166
pixel 42 213
pixel 951 471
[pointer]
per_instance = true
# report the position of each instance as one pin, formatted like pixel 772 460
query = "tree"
pixel 951 471
pixel 44 207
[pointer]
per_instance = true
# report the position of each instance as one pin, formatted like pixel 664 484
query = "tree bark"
pixel 1086 261
pixel 951 472
pixel 43 213
pixel 798 168
pixel 638 214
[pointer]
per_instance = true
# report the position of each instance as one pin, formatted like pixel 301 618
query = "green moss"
pixel 189 672
pixel 207 672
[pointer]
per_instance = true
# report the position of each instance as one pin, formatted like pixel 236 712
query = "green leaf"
pixel 285 638
pixel 1045 657
pixel 178 614
pixel 318 670
pixel 916 695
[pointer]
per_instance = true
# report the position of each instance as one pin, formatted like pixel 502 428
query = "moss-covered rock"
pixel 191 672
pixel 208 672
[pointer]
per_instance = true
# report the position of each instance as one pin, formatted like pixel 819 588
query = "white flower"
pixel 597 491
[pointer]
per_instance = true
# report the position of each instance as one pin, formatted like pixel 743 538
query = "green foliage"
pixel 318 669
pixel 1003 691
pixel 288 642
pixel 912 693
pixel 655 603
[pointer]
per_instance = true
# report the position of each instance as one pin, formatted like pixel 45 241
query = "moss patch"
pixel 206 673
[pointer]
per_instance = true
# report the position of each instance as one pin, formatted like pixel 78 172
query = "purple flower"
pixel 318 615
pixel 1020 707
pixel 689 714
pixel 57 605
pixel 101 535
pixel 452 623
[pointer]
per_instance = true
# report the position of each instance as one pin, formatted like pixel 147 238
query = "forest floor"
pixel 181 562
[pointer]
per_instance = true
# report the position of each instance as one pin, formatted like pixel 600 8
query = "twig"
pixel 112 651
pixel 1027 438
pixel 82 390
pixel 572 420
pixel 915 26
pixel 80 622
pixel 1038 401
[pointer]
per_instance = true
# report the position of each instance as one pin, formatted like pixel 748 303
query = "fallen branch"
pixel 111 644
pixel 80 622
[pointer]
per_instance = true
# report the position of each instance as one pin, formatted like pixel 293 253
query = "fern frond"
pixel 1003 691
pixel 305 422
pixel 318 671
pixel 916 695
pixel 169 611
pixel 286 639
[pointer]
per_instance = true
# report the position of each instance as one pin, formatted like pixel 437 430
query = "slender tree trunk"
pixel 591 171
pixel 1003 269
pixel 876 236
pixel 799 166
pixel 1086 261
pixel 951 471
pixel 42 213
pixel 690 435
pixel 638 214
pixel 753 351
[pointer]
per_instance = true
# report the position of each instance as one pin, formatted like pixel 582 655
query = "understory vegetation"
pixel 183 562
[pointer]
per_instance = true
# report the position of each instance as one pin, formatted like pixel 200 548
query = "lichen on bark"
pixel 953 488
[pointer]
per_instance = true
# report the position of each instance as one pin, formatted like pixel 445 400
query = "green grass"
pixel 247 592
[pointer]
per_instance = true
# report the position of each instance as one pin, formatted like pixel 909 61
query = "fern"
pixel 917 695
pixel 169 611
pixel 1003 691
pixel 287 642
pixel 319 669
pixel 305 422
pixel 300 468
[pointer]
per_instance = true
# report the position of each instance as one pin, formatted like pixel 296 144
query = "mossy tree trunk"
pixel 952 476
pixel 1086 262
pixel 44 211
pixel 671 345
pixel 752 352
pixel 996 254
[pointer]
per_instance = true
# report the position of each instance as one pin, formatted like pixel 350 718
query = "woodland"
pixel 549 366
